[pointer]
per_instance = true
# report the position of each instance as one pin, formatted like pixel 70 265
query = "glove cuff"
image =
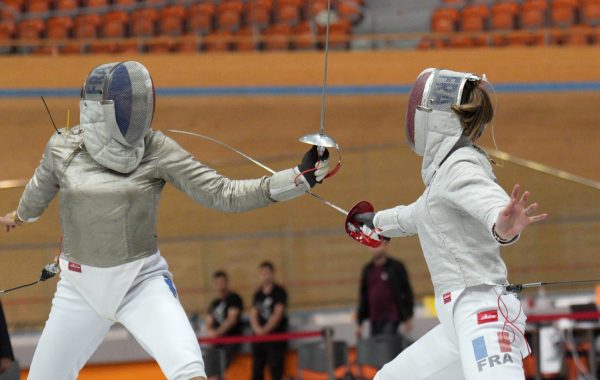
pixel 287 184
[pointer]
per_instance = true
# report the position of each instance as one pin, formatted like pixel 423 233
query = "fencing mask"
pixel 432 95
pixel 116 110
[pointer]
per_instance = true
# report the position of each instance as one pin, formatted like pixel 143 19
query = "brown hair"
pixel 475 110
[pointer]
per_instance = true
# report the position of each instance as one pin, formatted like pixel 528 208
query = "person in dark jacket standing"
pixel 386 297
pixel 6 353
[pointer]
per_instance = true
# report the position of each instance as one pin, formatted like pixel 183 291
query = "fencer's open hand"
pixel 9 220
pixel 516 215
pixel 314 166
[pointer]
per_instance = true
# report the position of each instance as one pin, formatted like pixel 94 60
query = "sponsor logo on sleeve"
pixel 487 316
pixel 447 297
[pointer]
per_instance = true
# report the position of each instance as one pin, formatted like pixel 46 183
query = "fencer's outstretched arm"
pixel 40 190
pixel 473 190
pixel 210 189
pixel 395 222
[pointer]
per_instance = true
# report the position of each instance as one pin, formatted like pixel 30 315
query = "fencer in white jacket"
pixel 461 219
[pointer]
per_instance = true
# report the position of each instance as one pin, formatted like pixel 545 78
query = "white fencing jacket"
pixel 454 216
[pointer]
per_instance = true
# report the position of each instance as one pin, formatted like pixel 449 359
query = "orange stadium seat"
pixel 580 34
pixel 527 38
pixel 443 20
pixel 64 5
pixel 231 6
pixel 189 45
pixel 576 35
pixel 170 24
pixel 229 20
pixel 278 37
pixel 562 12
pixel 541 4
pixel 29 30
pixel 305 36
pixel 350 10
pixel 143 22
pixel 114 25
pixel 288 14
pixel 96 3
pixel 16 5
pixel 503 15
pixel 590 12
pixel 221 41
pixel 258 14
pixel 57 29
pixel 316 6
pixel 86 27
pixel 473 18
pixel 38 6
pixel 171 20
pixel 532 15
pixel 7 30
pixel 199 18
pixel 247 44
pixel 503 18
pixel 338 36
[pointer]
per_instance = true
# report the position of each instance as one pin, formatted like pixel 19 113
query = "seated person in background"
pixel 6 353
pixel 268 316
pixel 224 318
pixel 385 297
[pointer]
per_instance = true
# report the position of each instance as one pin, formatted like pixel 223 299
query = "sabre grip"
pixel 366 219
pixel 309 162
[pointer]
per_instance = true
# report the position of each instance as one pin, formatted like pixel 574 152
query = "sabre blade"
pixel 226 146
pixel 335 207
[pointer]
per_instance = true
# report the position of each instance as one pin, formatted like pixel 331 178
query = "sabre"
pixel 48 272
pixel 321 139
pixel 255 161
pixel 517 288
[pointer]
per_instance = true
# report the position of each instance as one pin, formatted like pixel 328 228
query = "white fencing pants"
pixel 472 341
pixel 151 313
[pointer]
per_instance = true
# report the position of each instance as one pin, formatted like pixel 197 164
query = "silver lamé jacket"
pixel 109 218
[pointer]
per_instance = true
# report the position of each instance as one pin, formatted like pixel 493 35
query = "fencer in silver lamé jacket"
pixel 455 214
pixel 109 218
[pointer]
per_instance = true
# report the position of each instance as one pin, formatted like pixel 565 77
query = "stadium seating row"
pixel 538 22
pixel 285 23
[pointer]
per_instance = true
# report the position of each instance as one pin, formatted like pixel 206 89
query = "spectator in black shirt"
pixel 386 297
pixel 6 353
pixel 224 318
pixel 268 315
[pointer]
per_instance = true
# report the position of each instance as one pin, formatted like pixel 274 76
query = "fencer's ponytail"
pixel 475 111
